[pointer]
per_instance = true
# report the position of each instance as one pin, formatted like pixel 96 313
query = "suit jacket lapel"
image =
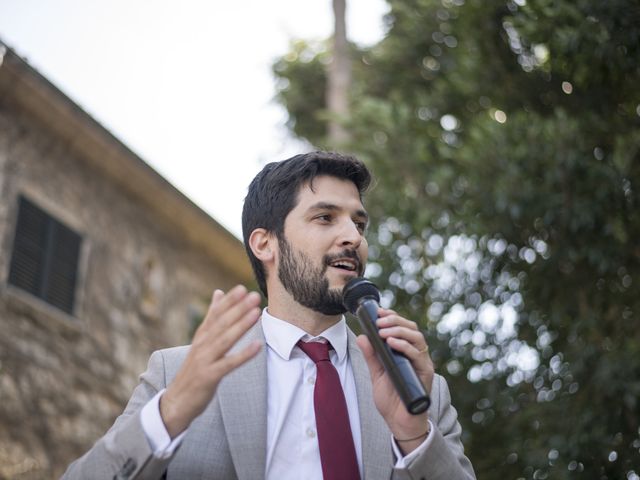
pixel 243 403
pixel 377 455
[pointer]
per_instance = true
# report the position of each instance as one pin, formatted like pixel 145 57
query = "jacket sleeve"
pixel 124 451
pixel 445 458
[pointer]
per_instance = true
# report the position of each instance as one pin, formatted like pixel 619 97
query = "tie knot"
pixel 316 351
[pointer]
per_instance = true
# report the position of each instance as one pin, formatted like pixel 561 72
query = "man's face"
pixel 323 245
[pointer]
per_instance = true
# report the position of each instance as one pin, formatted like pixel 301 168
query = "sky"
pixel 186 85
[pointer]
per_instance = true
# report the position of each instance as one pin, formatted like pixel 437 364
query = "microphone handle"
pixel 398 367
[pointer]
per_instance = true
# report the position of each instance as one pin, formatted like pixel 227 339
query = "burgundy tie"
pixel 337 452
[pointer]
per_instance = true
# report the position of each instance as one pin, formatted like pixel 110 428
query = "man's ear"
pixel 262 244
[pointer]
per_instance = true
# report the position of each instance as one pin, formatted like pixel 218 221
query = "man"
pixel 243 399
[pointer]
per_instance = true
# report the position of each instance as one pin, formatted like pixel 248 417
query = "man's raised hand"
pixel 228 318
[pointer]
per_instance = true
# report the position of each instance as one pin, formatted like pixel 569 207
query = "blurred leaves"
pixel 505 139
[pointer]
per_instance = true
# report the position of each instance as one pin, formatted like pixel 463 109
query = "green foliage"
pixel 305 63
pixel 505 138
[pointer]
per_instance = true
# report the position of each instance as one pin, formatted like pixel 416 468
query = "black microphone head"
pixel 356 290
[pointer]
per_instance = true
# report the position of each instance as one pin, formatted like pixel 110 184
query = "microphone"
pixel 361 298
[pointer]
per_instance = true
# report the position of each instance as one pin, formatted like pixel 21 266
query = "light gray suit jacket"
pixel 228 441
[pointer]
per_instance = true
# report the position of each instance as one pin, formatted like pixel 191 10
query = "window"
pixel 45 254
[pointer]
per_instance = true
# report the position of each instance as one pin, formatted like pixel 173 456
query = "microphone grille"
pixel 357 289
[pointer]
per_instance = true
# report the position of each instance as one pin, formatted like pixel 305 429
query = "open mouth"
pixel 346 264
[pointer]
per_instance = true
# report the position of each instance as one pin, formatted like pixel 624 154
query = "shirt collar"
pixel 282 336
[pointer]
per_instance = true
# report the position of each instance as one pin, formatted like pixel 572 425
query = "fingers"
pixel 226 307
pixel 229 317
pixel 216 297
pixel 406 348
pixel 404 336
pixel 219 340
pixel 389 317
pixel 393 325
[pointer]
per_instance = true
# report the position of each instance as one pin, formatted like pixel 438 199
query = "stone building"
pixel 101 262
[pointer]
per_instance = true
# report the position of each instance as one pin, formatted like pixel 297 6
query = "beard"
pixel 308 284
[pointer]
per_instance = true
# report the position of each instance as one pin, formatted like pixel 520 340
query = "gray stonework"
pixel 63 378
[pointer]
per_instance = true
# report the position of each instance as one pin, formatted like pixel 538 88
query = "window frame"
pixel 50 245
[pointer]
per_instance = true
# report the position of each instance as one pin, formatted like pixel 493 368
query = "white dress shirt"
pixel 292 442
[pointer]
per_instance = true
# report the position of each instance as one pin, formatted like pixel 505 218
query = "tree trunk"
pixel 339 78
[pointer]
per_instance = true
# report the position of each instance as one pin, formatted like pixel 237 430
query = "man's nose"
pixel 350 234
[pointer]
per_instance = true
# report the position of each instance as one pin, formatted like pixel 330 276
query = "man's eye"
pixel 362 226
pixel 324 218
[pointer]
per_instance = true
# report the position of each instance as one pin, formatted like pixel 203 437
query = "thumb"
pixel 375 367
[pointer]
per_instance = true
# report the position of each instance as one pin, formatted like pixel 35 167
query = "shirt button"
pixel 311 380
pixel 311 432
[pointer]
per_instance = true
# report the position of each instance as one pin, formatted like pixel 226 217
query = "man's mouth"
pixel 347 264
pixel 347 260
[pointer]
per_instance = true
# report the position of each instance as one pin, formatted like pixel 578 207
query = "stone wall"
pixel 63 379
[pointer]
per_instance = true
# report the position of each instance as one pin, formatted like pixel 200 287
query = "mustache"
pixel 352 254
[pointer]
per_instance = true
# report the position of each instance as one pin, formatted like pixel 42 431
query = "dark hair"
pixel 273 193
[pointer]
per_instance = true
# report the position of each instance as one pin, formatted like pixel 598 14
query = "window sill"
pixel 28 305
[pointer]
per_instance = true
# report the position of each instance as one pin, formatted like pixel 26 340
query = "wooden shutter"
pixel 45 255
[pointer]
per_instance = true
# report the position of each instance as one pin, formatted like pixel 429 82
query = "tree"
pixel 505 139
pixel 338 76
